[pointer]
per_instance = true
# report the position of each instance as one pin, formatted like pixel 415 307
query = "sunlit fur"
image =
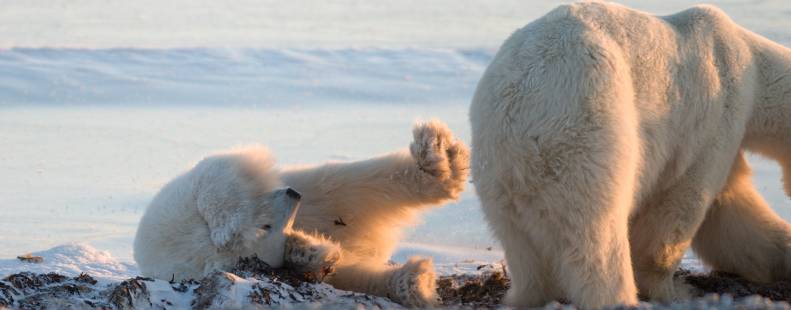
pixel 361 206
pixel 208 217
pixel 602 138
pixel 375 198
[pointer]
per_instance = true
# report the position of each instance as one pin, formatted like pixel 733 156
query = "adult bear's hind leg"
pixel 566 235
pixel 531 284
pixel 742 234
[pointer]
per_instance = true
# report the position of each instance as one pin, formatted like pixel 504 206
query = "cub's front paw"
pixel 439 154
pixel 414 284
pixel 314 255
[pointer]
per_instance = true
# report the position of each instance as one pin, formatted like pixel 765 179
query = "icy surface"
pixel 245 77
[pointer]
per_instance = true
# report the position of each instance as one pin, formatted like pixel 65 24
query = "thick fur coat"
pixel 606 141
pixel 349 218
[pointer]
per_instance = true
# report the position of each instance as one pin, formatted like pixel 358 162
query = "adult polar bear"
pixel 604 138
pixel 227 206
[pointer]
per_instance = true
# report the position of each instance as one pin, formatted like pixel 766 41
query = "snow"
pixel 237 77
pixel 217 291
pixel 87 173
pixel 72 260
pixel 103 101
pixel 75 258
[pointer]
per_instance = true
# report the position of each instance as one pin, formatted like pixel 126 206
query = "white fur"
pixel 206 218
pixel 601 137
pixel 359 206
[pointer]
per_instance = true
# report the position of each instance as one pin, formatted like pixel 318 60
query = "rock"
pixel 28 258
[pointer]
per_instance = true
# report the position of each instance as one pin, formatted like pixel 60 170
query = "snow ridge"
pixel 64 280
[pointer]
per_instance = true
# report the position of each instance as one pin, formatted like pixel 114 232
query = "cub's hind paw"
pixel 414 284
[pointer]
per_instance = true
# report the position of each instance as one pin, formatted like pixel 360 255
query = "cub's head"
pixel 273 220
pixel 241 199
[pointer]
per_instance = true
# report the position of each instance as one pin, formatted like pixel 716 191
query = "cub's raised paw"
pixel 439 154
pixel 313 255
pixel 414 284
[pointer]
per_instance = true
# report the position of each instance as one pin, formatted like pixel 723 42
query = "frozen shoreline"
pixel 81 276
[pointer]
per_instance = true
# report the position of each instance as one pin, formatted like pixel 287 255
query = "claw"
pixel 290 192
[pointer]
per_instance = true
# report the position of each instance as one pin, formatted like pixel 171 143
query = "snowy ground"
pixel 61 282
pixel 60 279
pixel 77 276
pixel 102 102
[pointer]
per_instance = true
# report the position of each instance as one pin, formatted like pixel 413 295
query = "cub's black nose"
pixel 293 194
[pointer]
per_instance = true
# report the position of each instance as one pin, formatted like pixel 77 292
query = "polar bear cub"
pixel 607 140
pixel 226 207
pixel 231 205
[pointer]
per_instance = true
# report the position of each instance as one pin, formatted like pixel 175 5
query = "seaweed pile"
pixel 733 285
pixel 715 290
pixel 484 290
